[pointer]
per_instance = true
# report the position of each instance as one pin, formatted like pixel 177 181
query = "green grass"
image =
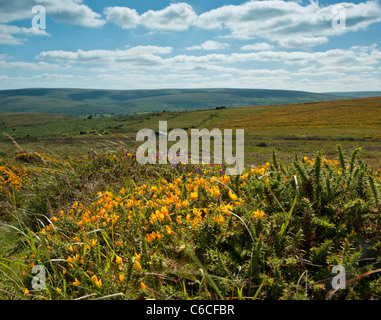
pixel 289 129
pixel 302 211
pixel 91 216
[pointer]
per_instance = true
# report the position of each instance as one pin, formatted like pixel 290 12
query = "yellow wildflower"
pixel 193 195
pixel 76 282
pixel 158 235
pixel 169 230
pixel 219 219
pixel 137 265
pixel 185 203
pixel 97 281
pixel 232 196
pixel 119 260
pixel 258 214
pixel 244 176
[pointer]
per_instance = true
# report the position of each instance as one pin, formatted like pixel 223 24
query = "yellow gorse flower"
pixel 97 281
pixel 76 282
pixel 193 195
pixel 219 219
pixel 232 196
pixel 258 214
pixel 119 260
pixel 137 265
pixel 169 230
pixel 244 176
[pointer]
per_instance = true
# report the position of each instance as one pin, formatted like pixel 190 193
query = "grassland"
pixel 289 129
pixel 103 226
pixel 74 200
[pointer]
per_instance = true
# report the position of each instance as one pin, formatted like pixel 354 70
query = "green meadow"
pixel 75 202
pixel 290 129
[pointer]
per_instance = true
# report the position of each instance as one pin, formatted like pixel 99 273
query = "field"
pixel 292 129
pixel 75 201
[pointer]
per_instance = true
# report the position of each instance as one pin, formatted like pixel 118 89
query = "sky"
pixel 301 45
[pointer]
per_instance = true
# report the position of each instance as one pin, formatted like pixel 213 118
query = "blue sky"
pixel 148 44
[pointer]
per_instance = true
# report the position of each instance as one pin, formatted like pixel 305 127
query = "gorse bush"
pixel 104 226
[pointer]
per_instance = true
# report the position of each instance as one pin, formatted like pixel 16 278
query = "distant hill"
pixel 100 103
pixel 356 94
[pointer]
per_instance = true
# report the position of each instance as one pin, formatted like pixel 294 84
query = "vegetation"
pixel 74 200
pixel 104 226
pixel 100 103
pixel 289 129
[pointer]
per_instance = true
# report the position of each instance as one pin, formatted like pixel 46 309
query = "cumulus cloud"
pixel 175 17
pixel 352 68
pixel 137 56
pixel 13 35
pixel 210 45
pixel 72 11
pixel 260 46
pixel 153 58
pixel 69 11
pixel 290 23
pixel 123 17
pixel 26 66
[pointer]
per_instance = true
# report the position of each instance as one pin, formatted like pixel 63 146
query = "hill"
pixel 356 94
pixel 101 103
pixel 299 128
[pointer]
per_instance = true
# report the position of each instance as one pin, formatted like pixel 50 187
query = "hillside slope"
pixel 289 129
pixel 84 102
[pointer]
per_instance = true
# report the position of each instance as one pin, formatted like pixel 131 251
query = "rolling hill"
pixel 356 94
pixel 299 128
pixel 100 103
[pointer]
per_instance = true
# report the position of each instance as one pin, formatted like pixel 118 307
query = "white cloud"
pixel 137 56
pixel 27 66
pixel 175 17
pixel 260 46
pixel 13 35
pixel 210 45
pixel 290 23
pixel 72 11
pixel 69 11
pixel 302 42
pixel 123 17
pixel 152 58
